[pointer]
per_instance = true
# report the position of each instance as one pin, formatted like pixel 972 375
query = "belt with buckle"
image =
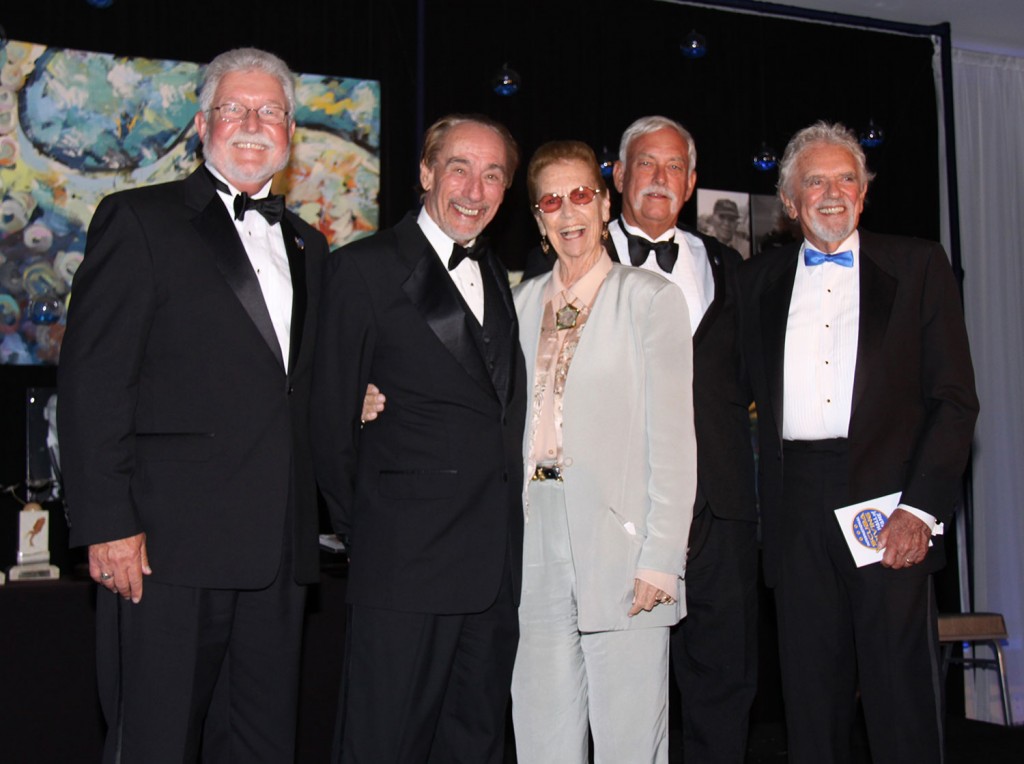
pixel 551 472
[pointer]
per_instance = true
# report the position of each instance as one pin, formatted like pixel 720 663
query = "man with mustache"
pixel 184 401
pixel 430 495
pixel 714 649
pixel 857 354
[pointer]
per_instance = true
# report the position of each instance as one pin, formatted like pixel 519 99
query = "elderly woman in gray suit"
pixel 611 476
pixel 610 482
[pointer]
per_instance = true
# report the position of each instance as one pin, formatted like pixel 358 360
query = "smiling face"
pixel 655 181
pixel 465 183
pixel 247 153
pixel 574 230
pixel 826 194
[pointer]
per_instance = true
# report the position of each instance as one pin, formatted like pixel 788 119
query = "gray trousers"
pixel 564 681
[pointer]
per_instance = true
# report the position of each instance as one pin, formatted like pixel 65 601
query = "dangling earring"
pixel 605 235
pixel 545 247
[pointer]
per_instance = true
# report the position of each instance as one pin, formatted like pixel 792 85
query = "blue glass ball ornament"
pixel 606 163
pixel 100 3
pixel 765 159
pixel 872 136
pixel 46 309
pixel 694 45
pixel 506 82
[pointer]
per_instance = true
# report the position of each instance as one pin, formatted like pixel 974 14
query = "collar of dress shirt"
pixel 852 243
pixel 229 199
pixel 586 288
pixel 666 236
pixel 439 240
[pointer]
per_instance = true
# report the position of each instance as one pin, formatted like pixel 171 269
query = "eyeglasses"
pixel 268 114
pixel 579 196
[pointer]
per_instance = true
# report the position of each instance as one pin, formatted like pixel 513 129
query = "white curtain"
pixel 988 95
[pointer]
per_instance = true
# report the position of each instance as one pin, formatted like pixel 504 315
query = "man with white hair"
pixel 714 649
pixel 184 406
pixel 857 355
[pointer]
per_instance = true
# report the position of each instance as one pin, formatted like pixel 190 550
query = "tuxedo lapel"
pixel 877 294
pixel 774 319
pixel 296 249
pixel 715 306
pixel 215 227
pixel 434 295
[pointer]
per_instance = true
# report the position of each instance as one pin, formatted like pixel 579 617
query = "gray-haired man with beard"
pixel 184 402
pixel 857 354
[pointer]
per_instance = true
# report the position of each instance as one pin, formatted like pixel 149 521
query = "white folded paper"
pixel 861 523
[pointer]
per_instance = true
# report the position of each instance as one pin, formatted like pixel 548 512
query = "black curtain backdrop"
pixel 588 69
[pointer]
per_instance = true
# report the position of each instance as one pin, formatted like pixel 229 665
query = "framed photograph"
pixel 725 215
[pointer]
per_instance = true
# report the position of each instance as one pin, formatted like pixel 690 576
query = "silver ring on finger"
pixel 106 576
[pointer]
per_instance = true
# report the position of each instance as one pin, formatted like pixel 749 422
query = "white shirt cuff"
pixel 935 527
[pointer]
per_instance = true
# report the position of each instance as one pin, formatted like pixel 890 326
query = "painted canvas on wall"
pixel 76 126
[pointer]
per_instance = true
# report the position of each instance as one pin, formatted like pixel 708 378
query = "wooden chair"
pixel 976 628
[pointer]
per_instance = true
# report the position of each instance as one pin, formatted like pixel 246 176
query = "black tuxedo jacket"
pixel 914 403
pixel 429 493
pixel 177 416
pixel 725 457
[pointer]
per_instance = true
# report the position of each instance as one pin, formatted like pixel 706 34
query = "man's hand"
pixel 905 540
pixel 373 403
pixel 119 565
pixel 647 597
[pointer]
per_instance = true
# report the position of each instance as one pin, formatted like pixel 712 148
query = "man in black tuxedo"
pixel 430 494
pixel 857 353
pixel 184 400
pixel 714 649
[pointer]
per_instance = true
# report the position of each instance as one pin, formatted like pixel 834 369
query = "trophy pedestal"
pixel 34 571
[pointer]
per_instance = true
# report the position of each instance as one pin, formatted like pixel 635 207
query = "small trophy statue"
pixel 33 546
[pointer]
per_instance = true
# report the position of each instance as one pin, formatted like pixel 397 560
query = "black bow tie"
pixel 460 253
pixel 271 207
pixel 665 252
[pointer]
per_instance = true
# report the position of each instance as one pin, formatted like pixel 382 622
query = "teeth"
pixel 831 210
pixel 571 232
pixel 465 210
pixel 258 146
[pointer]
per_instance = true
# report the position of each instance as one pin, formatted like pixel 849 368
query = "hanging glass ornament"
pixel 506 82
pixel 46 309
pixel 765 159
pixel 872 136
pixel 606 162
pixel 694 45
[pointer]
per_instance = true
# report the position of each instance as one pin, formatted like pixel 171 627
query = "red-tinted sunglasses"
pixel 579 196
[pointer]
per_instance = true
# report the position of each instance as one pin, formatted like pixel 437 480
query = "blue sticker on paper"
pixel 867 524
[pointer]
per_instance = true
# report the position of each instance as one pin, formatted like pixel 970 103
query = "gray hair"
pixel 834 133
pixel 646 125
pixel 246 60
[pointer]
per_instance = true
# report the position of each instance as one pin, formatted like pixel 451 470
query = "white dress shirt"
pixel 692 272
pixel 264 245
pixel 821 353
pixel 466 275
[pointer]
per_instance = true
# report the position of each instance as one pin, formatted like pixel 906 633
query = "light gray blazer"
pixel 629 452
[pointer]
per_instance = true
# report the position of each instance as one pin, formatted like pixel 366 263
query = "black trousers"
pixel 421 687
pixel 844 629
pixel 714 649
pixel 210 673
